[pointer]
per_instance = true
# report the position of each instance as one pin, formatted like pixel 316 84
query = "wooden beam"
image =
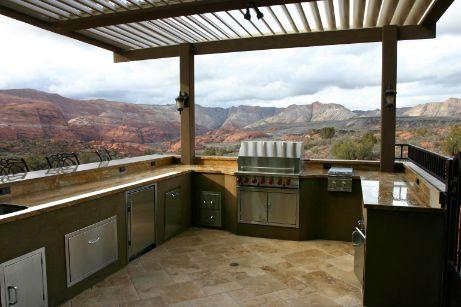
pixel 161 12
pixel 47 26
pixel 279 42
pixel 388 81
pixel 417 11
pixel 186 76
pixel 438 9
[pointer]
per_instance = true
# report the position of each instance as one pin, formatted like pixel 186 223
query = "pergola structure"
pixel 150 29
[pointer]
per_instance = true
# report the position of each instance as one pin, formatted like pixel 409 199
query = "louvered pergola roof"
pixel 141 29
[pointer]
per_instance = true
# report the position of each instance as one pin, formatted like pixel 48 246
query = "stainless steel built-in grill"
pixel 268 182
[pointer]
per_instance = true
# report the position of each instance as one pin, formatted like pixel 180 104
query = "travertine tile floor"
pixel 193 269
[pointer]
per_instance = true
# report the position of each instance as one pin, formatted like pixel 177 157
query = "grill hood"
pixel 270 157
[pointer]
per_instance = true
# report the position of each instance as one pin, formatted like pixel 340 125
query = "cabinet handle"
pixel 11 301
pixel 94 241
pixel 355 238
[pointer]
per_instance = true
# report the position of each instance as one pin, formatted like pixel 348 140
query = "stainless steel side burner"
pixel 340 179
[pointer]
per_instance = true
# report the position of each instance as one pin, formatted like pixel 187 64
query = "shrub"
pixel 452 142
pixel 327 133
pixel 351 149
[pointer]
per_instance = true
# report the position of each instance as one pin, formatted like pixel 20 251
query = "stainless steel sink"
pixel 9 208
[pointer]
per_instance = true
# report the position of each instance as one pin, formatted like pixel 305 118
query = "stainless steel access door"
pixel 252 206
pixel 141 219
pixel 174 214
pixel 282 207
pixel 358 240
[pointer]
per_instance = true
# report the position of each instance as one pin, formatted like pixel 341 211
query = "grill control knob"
pixel 271 181
pixel 239 180
pixel 288 181
pixel 245 180
pixel 280 181
pixel 254 181
pixel 263 180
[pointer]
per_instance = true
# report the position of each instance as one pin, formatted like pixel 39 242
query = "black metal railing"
pixel 435 164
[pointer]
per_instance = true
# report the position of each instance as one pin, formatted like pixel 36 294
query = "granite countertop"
pixel 42 202
pixel 393 191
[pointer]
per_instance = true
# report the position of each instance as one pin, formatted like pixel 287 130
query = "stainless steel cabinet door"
pixel 141 215
pixel 24 281
pixel 252 206
pixel 90 249
pixel 282 208
pixel 174 213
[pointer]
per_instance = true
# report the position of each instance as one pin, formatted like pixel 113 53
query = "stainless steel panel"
pixel 141 219
pixel 210 200
pixel 358 240
pixel 252 206
pixel 210 218
pixel 23 280
pixel 90 249
pixel 283 208
pixel 174 215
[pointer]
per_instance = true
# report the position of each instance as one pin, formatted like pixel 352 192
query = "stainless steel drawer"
pixel 210 218
pixel 90 249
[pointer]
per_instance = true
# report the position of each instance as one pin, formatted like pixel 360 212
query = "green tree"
pixel 452 142
pixel 422 131
pixel 350 149
pixel 327 133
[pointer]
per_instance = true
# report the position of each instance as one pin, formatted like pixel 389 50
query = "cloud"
pixel 428 70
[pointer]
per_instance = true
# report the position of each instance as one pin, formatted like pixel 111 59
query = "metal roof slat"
pixel 277 20
pixel 316 14
pixel 330 13
pixel 226 24
pixel 202 27
pixel 253 24
pixel 402 11
pixel 36 9
pixel 121 33
pixel 303 17
pixel 387 11
pixel 241 25
pixel 374 6
pixel 214 25
pixel 114 38
pixel 359 12
pixel 107 38
pixel 120 36
pixel 344 8
pixel 193 28
pixel 290 18
pixel 417 12
pixel 179 27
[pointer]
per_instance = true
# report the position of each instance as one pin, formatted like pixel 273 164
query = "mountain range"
pixel 31 114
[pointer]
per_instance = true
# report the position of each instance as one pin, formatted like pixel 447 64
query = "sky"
pixel 428 71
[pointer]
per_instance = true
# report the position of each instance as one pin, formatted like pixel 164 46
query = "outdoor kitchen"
pixel 270 227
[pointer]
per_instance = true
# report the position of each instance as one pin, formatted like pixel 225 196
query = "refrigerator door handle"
pixel 130 220
pixel 15 291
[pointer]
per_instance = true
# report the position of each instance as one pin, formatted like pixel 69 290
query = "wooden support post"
pixel 389 81
pixel 186 66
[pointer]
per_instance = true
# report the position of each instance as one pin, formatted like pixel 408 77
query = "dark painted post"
pixel 186 65
pixel 388 113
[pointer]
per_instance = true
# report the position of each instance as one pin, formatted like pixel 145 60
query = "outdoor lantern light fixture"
pixel 390 96
pixel 247 14
pixel 182 101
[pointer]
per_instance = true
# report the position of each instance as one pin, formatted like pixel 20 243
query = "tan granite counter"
pixel 395 191
pixel 67 196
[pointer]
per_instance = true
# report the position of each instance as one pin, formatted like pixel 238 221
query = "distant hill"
pixel 27 114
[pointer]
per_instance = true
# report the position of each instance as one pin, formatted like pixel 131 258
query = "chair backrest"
pixel 103 154
pixel 13 166
pixel 62 160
